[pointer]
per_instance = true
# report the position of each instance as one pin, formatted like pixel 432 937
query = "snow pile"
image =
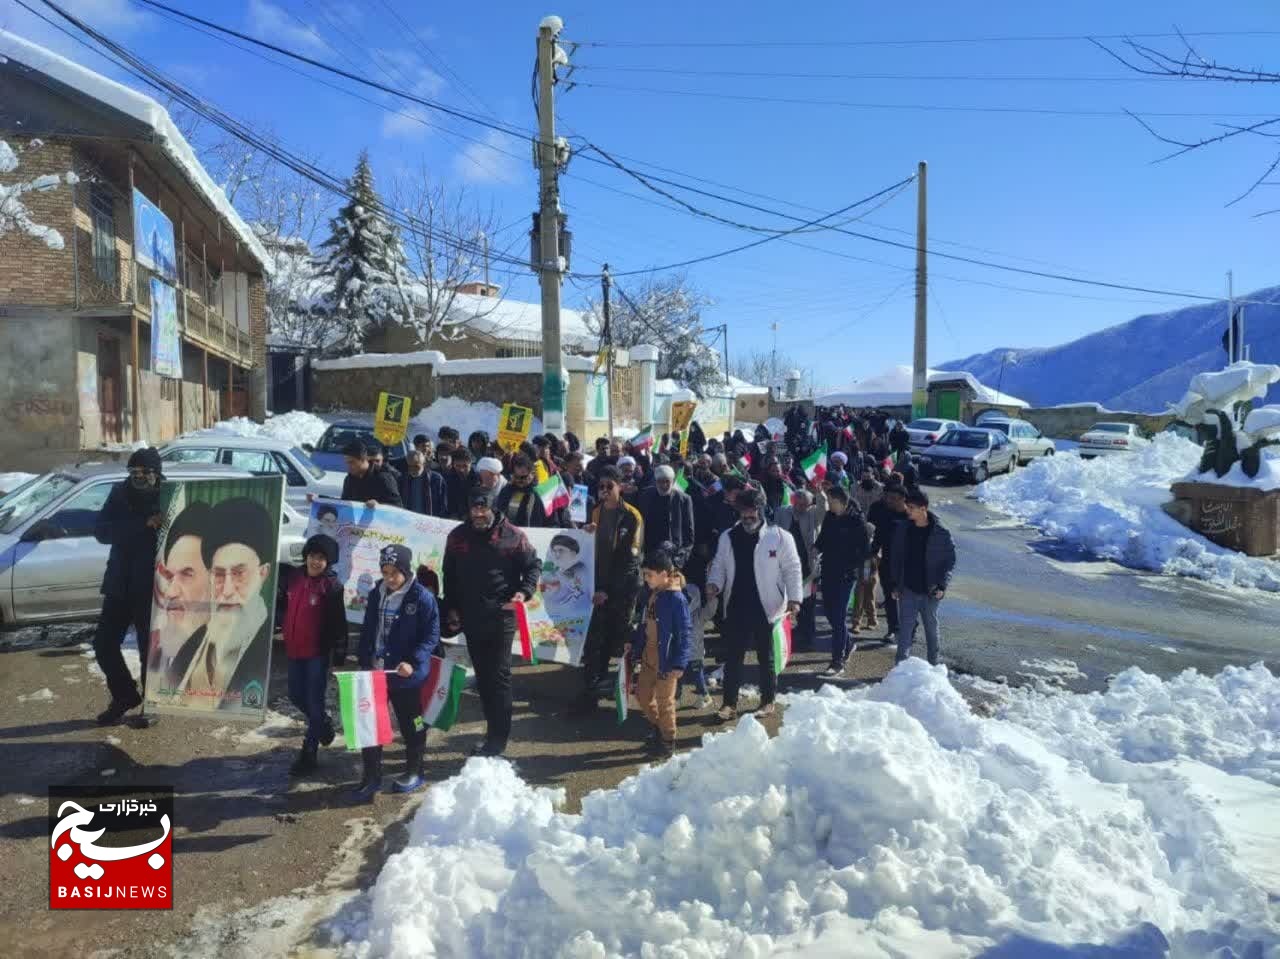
pixel 294 428
pixel 463 416
pixel 1221 389
pixel 884 822
pixel 1111 506
pixel 1268 477
pixel 11 481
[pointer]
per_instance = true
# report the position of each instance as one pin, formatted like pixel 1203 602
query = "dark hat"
pixel 477 496
pixel 326 546
pixel 239 520
pixel 399 556
pixel 568 542
pixel 147 459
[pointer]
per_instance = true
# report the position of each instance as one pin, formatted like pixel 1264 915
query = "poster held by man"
pixel 213 603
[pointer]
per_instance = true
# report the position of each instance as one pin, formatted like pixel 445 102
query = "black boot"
pixel 371 781
pixel 305 763
pixel 118 707
pixel 328 734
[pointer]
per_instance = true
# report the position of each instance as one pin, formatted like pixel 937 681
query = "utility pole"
pixel 773 358
pixel 484 239
pixel 606 284
pixel 1231 320
pixel 549 265
pixel 920 368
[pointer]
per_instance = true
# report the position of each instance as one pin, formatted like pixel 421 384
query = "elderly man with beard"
pixel 128 523
pixel 182 600
pixel 488 566
pixel 230 668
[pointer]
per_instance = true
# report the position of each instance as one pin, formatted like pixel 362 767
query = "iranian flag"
pixel 781 644
pixel 622 689
pixel 362 697
pixel 682 482
pixel 745 461
pixel 815 464
pixel 442 693
pixel 643 440
pixel 524 634
pixel 552 493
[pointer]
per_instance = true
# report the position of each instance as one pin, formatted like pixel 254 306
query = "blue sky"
pixel 1064 193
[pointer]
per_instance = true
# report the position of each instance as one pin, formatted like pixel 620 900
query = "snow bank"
pixel 883 822
pixel 374 360
pixel 1110 506
pixel 1268 477
pixel 462 416
pixel 11 481
pixel 295 428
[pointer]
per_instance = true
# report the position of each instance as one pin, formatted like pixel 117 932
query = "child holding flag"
pixel 664 637
pixel 401 629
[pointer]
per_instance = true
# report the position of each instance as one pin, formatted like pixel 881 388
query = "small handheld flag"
pixel 524 634
pixel 442 693
pixel 682 482
pixel 622 689
pixel 644 439
pixel 362 699
pixel 815 464
pixel 781 644
pixel 552 493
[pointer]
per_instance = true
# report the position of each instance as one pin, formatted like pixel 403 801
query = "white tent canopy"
pixel 893 388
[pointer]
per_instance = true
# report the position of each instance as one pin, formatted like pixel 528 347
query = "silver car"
pixel 262 457
pixel 51 566
pixel 924 433
pixel 970 454
pixel 1028 441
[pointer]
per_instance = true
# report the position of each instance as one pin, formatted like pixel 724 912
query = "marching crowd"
pixel 692 535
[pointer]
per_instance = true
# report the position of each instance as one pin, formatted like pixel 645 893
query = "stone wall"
pixel 497 388
pixel 358 389
pixel 1070 422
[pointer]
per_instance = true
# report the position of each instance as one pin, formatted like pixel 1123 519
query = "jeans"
pixel 697 675
pixel 490 652
pixel 806 631
pixel 307 681
pixel 913 606
pixel 739 638
pixel 835 606
pixel 118 614
pixel 890 604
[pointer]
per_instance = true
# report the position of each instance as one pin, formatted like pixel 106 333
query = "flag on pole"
pixel 552 493
pixel 362 697
pixel 781 644
pixel 523 634
pixel 644 439
pixel 442 693
pixel 622 688
pixel 815 464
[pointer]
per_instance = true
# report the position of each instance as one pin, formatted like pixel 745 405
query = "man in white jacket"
pixel 756 574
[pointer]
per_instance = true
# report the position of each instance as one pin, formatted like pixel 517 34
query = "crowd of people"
pixel 692 535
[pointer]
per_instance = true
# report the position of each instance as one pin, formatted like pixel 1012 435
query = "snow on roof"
pixel 436 360
pixel 374 360
pixel 893 388
pixel 516 320
pixel 742 387
pixel 146 111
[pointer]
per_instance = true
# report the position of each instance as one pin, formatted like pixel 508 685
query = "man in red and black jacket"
pixel 488 565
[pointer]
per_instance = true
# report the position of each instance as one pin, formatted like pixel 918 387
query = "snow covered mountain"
pixel 1140 365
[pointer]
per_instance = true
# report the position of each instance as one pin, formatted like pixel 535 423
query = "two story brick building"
pixel 80 156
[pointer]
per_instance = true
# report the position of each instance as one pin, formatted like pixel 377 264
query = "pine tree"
pixel 364 264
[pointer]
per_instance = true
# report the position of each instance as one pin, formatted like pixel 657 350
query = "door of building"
pixel 110 388
pixel 948 405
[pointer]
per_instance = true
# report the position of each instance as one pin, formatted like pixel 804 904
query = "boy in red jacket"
pixel 315 631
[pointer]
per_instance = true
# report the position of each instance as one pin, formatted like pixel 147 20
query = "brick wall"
pixel 32 272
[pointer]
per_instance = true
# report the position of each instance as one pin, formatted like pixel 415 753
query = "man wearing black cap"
pixel 128 523
pixel 363 483
pixel 488 565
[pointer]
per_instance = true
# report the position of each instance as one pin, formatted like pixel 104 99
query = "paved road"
pixel 1019 596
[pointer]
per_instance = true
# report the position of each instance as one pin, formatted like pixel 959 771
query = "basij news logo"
pixel 110 847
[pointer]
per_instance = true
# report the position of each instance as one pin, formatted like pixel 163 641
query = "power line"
pixel 921 41
pixel 903 77
pixel 923 107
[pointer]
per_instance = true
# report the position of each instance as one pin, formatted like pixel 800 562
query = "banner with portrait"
pixel 558 616
pixel 214 591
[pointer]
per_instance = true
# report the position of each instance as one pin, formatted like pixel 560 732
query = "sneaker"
pixel 408 783
pixel 848 670
pixel 705 702
pixel 487 748
pixel 831 672
pixel 890 636
pixel 661 749
pixel 116 710
pixel 143 721
pixel 366 792
pixel 327 737
pixel 727 714
pixel 767 710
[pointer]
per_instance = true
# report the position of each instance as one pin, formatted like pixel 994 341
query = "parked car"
pixel 1104 439
pixel 262 457
pixel 51 566
pixel 968 454
pixel 1029 442
pixel 328 449
pixel 925 433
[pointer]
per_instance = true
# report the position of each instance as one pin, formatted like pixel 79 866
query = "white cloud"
pixel 407 122
pixel 270 22
pixel 483 163
pixel 411 74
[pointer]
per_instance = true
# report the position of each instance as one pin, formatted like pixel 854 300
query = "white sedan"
pixel 50 564
pixel 1106 439
pixel 262 457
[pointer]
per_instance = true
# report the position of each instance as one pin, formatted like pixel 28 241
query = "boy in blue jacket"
pixel 665 638
pixel 401 629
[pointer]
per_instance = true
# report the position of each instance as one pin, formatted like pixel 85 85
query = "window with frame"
pixel 78 515
pixel 102 213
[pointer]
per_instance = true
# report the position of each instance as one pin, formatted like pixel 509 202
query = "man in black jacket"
pixel 520 503
pixel 923 559
pixel 128 523
pixel 842 542
pixel 363 483
pixel 899 439
pixel 458 482
pixel 488 565
pixel 885 515
pixel 423 490
pixel 619 533
pixel 668 514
